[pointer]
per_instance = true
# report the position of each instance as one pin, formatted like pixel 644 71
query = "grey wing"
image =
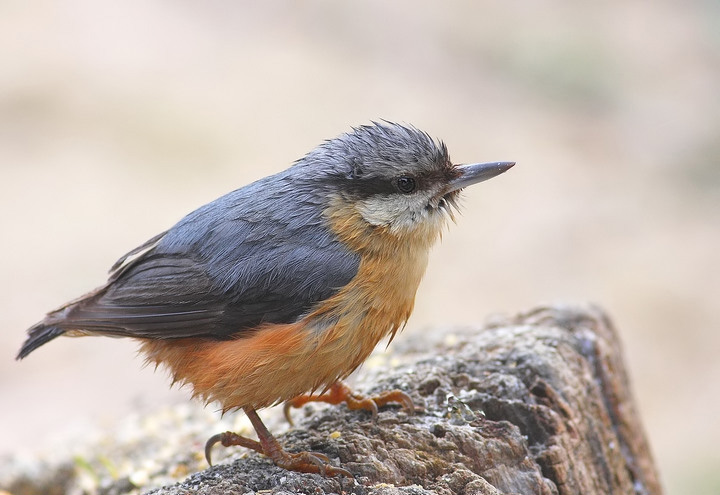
pixel 153 296
pixel 143 298
pixel 223 269
pixel 163 295
pixel 245 259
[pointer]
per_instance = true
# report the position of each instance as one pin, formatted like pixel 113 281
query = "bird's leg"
pixel 304 462
pixel 340 392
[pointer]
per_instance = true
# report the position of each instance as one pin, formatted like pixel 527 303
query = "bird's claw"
pixel 209 445
pixel 310 462
pixel 305 462
pixel 339 392
pixel 227 439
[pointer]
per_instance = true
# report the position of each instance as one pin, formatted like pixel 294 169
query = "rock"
pixel 535 404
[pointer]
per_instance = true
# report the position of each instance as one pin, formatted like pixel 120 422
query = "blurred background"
pixel 117 118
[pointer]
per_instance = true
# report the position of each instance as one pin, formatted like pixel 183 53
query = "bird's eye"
pixel 405 185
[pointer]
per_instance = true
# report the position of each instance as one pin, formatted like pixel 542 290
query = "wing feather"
pixel 222 270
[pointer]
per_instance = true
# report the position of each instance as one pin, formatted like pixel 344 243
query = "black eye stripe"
pixel 363 186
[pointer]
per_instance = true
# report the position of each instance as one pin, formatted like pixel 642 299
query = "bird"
pixel 277 291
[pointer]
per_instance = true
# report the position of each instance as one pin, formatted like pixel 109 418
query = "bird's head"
pixel 395 176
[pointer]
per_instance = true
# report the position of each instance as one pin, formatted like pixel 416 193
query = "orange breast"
pixel 279 362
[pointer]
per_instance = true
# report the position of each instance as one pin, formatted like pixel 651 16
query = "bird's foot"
pixel 309 462
pixel 340 392
pixel 304 462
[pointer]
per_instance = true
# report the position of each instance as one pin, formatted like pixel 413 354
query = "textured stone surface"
pixel 535 404
pixel 539 404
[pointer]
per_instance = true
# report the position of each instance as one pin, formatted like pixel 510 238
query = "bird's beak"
pixel 477 172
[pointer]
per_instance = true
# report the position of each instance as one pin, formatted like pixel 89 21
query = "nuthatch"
pixel 283 287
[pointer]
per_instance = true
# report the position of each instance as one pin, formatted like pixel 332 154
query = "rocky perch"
pixel 535 404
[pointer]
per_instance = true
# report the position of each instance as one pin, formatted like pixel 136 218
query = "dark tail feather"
pixel 39 335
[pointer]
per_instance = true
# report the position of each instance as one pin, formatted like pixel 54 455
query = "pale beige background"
pixel 117 118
